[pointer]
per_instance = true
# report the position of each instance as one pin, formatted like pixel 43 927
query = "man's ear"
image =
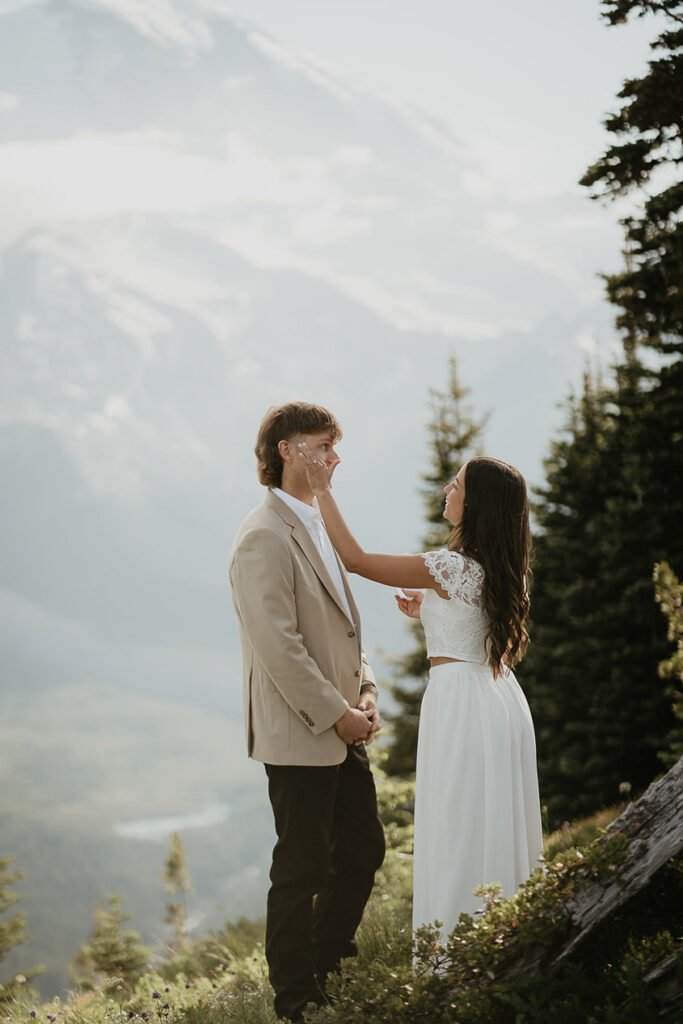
pixel 285 450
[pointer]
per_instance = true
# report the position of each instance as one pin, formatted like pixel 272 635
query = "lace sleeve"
pixel 460 577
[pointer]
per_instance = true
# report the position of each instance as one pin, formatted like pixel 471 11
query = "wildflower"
pixel 156 995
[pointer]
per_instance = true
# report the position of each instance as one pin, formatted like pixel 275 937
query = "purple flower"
pixel 33 1013
pixel 156 995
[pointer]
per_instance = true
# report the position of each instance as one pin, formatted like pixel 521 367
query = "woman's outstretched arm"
pixel 393 570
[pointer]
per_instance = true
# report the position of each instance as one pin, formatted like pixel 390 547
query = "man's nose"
pixel 333 458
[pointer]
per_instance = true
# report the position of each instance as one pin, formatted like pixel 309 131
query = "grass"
pixel 222 978
pixel 579 834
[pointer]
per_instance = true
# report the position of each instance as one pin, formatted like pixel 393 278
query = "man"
pixel 310 706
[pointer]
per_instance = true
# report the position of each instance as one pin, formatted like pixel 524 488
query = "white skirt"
pixel 477 809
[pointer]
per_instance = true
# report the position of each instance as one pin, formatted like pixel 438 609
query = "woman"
pixel 477 813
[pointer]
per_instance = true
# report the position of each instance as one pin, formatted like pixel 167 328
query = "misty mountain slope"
pixel 272 157
pixel 80 66
pixel 79 761
pixel 198 223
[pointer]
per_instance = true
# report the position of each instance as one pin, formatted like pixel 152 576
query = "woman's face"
pixel 455 499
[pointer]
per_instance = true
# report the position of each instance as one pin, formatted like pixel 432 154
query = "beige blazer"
pixel 303 661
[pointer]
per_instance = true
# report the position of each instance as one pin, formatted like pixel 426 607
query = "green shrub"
pixel 465 978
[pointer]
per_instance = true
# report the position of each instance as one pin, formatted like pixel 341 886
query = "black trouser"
pixel 330 842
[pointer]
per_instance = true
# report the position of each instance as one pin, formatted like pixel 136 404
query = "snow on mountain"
pixel 198 223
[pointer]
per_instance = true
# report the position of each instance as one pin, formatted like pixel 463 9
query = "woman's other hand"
pixel 409 602
pixel 318 473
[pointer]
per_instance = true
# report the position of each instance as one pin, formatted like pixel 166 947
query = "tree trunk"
pixel 652 831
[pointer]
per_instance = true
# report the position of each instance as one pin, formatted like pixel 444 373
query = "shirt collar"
pixel 308 514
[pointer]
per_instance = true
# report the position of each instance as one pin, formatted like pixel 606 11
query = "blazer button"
pixel 357 672
pixel 351 633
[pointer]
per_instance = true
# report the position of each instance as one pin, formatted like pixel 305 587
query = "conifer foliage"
pixel 12 929
pixel 454 436
pixel 177 882
pixel 612 504
pixel 591 669
pixel 669 597
pixel 645 160
pixel 113 951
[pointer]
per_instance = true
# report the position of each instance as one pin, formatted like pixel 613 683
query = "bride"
pixel 477 813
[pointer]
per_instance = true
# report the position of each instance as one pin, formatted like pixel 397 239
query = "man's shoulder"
pixel 262 523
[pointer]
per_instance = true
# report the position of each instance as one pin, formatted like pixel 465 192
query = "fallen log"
pixel 620 870
pixel 555 916
pixel 652 830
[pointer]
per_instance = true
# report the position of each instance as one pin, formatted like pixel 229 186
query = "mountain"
pixel 199 223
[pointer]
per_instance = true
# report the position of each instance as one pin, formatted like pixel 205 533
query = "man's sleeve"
pixel 262 578
pixel 366 673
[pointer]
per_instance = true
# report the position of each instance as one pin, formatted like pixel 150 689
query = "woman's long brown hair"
pixel 495 531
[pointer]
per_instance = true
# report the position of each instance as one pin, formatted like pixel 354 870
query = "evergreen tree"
pixel 669 597
pixel 177 881
pixel 13 930
pixel 647 154
pixel 601 712
pixel 454 436
pixel 112 950
pixel 567 602
pixel 645 509
pixel 649 137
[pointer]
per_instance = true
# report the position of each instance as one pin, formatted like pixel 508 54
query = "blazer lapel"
pixel 349 595
pixel 303 538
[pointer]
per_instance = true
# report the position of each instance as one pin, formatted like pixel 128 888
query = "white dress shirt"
pixel 313 521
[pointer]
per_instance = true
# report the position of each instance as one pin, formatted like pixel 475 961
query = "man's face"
pixel 321 444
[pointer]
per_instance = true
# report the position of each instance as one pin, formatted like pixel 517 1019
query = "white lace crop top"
pixel 455 627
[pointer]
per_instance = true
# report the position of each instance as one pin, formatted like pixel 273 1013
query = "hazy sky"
pixel 266 209
pixel 530 81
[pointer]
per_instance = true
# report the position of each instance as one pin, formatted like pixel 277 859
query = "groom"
pixel 310 705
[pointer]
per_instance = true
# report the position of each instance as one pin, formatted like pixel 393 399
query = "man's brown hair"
pixel 282 423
